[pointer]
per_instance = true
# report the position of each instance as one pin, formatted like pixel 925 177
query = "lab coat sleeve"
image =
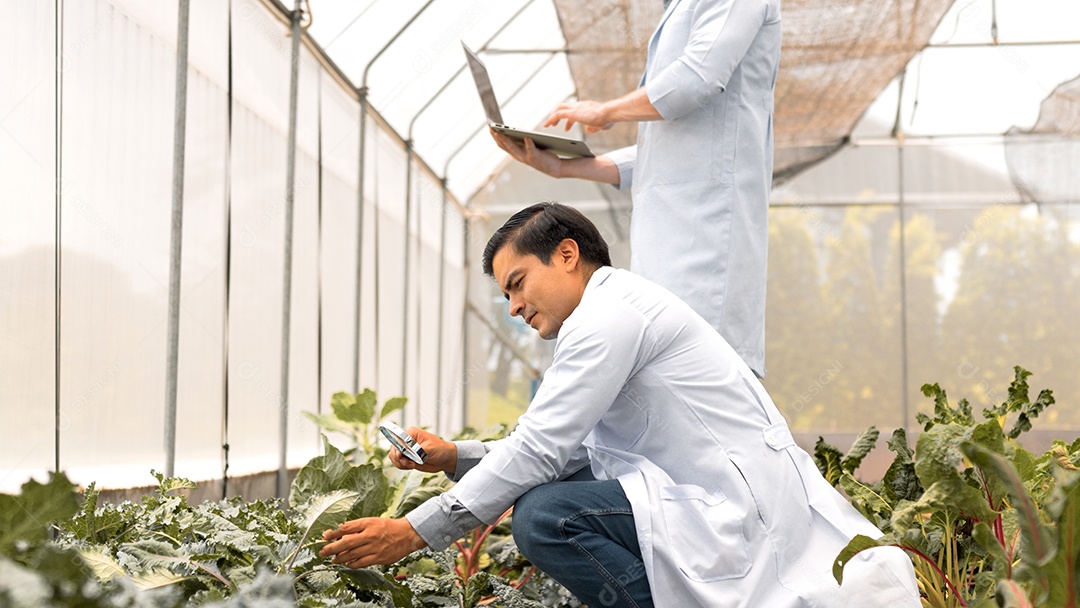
pixel 624 159
pixel 721 33
pixel 596 354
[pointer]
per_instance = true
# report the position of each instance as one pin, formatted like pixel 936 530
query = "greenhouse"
pixel 238 235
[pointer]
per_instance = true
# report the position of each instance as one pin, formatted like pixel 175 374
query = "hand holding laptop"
pixel 561 146
pixel 526 152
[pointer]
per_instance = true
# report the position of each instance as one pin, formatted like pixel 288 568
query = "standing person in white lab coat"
pixel 651 468
pixel 701 171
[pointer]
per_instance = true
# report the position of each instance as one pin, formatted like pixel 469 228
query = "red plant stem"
pixel 524 578
pixel 934 565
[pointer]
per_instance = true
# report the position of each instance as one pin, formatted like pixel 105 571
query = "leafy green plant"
pixel 357 417
pixel 966 502
pixel 164 552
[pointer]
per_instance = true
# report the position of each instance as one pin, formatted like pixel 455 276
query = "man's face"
pixel 542 294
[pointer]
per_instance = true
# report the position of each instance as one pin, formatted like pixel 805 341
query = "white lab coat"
pixel 728 510
pixel 700 178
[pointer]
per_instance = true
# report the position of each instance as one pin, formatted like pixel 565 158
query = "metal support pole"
pixel 176 235
pixel 442 302
pixel 362 92
pixel 898 135
pixel 286 296
pixel 58 158
pixel 405 295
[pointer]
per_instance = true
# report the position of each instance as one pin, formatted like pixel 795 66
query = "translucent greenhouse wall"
pixel 88 107
pixel 890 267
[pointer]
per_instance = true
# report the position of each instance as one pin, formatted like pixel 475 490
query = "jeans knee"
pixel 531 521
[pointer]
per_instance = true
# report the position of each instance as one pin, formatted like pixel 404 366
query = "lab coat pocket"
pixel 705 534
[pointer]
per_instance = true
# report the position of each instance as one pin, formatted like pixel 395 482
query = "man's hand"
pixel 441 455
pixel 541 160
pixel 371 540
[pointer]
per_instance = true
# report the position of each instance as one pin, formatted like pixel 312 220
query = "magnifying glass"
pixel 403 442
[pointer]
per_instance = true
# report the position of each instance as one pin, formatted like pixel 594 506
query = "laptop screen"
pixel 483 86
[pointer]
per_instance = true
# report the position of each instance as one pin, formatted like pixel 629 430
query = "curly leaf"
pixel 900 481
pixel 862 446
pixel 169 484
pixel 828 460
pixel 1031 411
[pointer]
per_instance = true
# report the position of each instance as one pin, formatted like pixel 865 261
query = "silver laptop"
pixel 563 146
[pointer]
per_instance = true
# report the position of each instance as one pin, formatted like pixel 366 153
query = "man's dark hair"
pixel 538 230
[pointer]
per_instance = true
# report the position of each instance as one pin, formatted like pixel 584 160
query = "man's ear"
pixel 568 254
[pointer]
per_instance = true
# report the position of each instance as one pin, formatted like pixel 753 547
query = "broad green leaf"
pixel 937 456
pixel 1037 544
pixel 1062 570
pixel 26 517
pixel 367 404
pixel 307 483
pixel 320 475
pixel 374 491
pixel 862 446
pixel 354 409
pixel 104 565
pixel 857 544
pixel 989 435
pixel 392 405
pixel 325 512
pixel 344 405
pixel 828 460
pixel 374 580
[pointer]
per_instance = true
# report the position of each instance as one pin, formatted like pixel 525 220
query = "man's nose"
pixel 516 306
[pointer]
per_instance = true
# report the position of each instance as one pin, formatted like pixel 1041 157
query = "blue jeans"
pixel 580 532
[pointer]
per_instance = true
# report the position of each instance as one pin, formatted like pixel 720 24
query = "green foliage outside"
pixel 986 522
pixel 985 288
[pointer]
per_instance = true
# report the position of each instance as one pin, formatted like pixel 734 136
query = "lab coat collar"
pixel 598 277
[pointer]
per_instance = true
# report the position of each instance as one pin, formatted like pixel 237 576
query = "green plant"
pixel 357 417
pixel 961 501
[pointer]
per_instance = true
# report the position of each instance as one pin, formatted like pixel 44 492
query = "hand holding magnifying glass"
pixel 403 442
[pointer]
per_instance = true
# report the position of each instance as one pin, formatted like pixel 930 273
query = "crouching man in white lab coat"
pixel 651 467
